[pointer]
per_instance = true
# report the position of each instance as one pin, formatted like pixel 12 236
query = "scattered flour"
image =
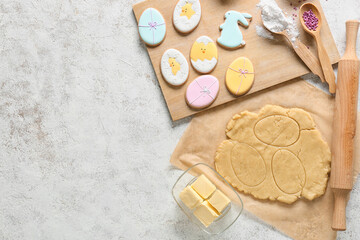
pixel 275 20
pixel 262 32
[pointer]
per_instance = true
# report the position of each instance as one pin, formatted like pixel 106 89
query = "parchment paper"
pixel 302 220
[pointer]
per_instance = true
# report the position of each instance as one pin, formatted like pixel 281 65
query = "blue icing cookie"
pixel 231 36
pixel 152 27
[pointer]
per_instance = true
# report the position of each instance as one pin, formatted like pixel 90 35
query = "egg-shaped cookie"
pixel 204 55
pixel 202 92
pixel 240 76
pixel 174 67
pixel 152 27
pixel 186 16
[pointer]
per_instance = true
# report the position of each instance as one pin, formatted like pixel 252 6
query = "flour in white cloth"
pixel 275 20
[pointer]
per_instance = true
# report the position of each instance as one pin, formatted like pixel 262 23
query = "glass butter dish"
pixel 228 214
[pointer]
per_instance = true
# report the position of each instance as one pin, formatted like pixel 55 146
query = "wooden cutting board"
pixel 274 61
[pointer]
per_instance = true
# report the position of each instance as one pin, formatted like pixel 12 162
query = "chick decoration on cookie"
pixel 175 66
pixel 187 10
pixel 231 36
pixel 186 15
pixel 204 55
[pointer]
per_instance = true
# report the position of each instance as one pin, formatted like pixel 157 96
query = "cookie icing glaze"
pixel 152 27
pixel 186 16
pixel 240 76
pixel 204 54
pixel 174 67
pixel 202 92
pixel 231 36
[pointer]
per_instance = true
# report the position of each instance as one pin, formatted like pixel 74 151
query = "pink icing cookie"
pixel 202 92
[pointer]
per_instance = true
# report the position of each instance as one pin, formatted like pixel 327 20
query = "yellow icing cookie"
pixel 175 66
pixel 187 10
pixel 240 76
pixel 204 54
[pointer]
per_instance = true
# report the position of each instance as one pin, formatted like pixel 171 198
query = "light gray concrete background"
pixel 85 135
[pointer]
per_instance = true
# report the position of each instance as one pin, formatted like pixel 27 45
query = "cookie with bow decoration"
pixel 152 27
pixel 240 76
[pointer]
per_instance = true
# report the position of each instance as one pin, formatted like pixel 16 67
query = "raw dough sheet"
pixel 276 154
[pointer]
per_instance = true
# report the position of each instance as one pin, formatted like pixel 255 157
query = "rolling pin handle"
pixel 339 214
pixel 352 27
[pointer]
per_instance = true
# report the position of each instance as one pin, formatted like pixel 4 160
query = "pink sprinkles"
pixel 310 20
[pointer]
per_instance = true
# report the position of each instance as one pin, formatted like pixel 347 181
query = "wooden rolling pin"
pixel 341 180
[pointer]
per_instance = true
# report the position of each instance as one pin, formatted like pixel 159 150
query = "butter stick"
pixel 203 187
pixel 206 213
pixel 190 198
pixel 219 201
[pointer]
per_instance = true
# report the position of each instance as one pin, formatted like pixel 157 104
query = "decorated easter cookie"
pixel 187 14
pixel 240 76
pixel 204 55
pixel 202 92
pixel 231 36
pixel 152 27
pixel 174 67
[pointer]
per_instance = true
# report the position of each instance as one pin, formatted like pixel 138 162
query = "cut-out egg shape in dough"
pixel 204 55
pixel 186 16
pixel 240 76
pixel 174 67
pixel 152 27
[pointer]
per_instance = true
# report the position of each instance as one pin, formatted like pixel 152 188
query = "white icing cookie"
pixel 186 16
pixel 204 55
pixel 174 67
